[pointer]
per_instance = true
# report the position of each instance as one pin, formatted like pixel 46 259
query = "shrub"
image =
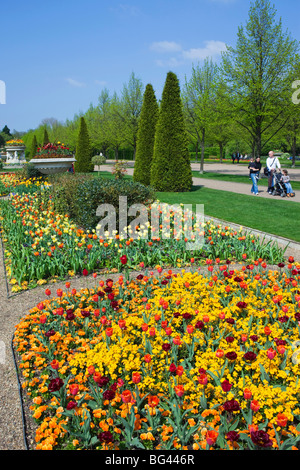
pixel 64 187
pixel 83 149
pixel 171 166
pixel 98 160
pixel 29 171
pixel 145 137
pixel 90 194
pixel 119 169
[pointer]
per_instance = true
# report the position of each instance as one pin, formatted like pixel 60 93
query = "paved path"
pixel 229 169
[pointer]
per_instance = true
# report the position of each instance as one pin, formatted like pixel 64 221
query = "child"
pixel 286 181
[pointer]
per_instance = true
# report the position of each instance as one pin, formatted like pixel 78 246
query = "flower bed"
pixel 177 361
pixel 12 183
pixel 15 143
pixel 53 150
pixel 41 244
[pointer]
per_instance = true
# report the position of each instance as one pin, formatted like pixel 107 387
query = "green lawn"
pixel 237 178
pixel 276 216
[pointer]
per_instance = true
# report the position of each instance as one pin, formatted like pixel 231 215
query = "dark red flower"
pixel 283 319
pixel 72 404
pixel 85 272
pixel 109 394
pixel 241 305
pixel 250 356
pixel 49 333
pixel 226 386
pixel 231 405
pixel 261 438
pixel 85 313
pixel 172 368
pixel 123 259
pixel 232 436
pixel 231 355
pixel 102 381
pixel 166 346
pixel 229 339
pixel 55 384
pixel 114 304
pixel 187 316
pixel 199 325
pixel 70 314
pixel 231 321
pixel 105 436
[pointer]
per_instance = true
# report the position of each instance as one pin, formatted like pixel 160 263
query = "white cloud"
pixel 75 83
pixel 172 62
pixel 179 55
pixel 211 49
pixel 100 82
pixel 165 46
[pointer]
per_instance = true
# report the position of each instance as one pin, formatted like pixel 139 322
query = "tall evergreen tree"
pixel 145 137
pixel 34 146
pixel 83 157
pixel 171 167
pixel 45 137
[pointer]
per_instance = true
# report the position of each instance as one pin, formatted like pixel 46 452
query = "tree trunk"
pixel 294 151
pixel 221 151
pixel 202 152
pixel 197 149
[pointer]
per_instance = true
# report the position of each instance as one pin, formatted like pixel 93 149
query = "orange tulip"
pixel 211 437
pixel 126 396
pixel 282 420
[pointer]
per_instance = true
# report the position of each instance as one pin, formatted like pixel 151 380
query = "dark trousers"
pixel 270 180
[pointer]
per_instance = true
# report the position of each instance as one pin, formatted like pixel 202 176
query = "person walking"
pixel 272 163
pixel 254 167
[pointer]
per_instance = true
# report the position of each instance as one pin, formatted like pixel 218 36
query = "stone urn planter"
pixel 53 158
pixel 51 166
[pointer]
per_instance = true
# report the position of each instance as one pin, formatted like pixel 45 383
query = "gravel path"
pixel 229 169
pixel 12 309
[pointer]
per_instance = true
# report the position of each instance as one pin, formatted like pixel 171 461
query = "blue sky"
pixel 56 56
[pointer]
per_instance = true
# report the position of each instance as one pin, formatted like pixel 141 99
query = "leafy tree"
pixel 83 157
pixel 115 124
pixel 199 98
pixel 171 167
pixel 132 100
pixel 257 72
pixel 145 137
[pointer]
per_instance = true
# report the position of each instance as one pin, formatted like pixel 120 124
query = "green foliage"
pixel 98 160
pixel 29 171
pixel 171 169
pixel 90 194
pixel 83 162
pixel 45 137
pixel 119 169
pixel 145 137
pixel 34 146
pixel 64 187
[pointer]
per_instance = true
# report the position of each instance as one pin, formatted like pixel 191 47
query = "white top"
pixel 273 163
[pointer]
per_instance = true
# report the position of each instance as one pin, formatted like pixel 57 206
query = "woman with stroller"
pixel 254 167
pixel 272 163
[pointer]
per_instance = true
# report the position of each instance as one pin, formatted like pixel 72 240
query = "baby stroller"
pixel 279 187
